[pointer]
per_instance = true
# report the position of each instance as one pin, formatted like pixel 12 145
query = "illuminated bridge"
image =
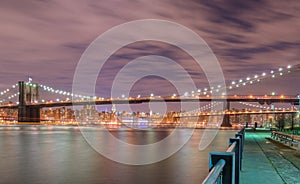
pixel 29 107
pixel 29 103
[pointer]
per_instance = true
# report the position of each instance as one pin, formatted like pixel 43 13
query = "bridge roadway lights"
pixel 228 174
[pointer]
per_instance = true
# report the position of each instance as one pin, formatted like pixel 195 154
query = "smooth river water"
pixel 62 155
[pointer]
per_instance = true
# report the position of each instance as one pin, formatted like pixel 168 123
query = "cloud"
pixel 45 39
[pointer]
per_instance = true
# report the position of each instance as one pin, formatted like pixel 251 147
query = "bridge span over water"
pixel 29 105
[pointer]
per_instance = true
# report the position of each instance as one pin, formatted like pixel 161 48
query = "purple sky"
pixel 45 39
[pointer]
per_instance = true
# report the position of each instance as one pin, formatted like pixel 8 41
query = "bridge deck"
pixel 260 99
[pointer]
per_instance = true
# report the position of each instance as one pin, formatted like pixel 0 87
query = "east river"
pixel 33 154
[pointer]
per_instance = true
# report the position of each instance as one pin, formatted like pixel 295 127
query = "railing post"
pixel 233 162
pixel 238 160
pixel 228 174
pixel 242 137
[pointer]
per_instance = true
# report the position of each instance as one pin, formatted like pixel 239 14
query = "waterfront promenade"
pixel 266 162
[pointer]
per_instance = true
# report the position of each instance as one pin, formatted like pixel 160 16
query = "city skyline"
pixel 44 40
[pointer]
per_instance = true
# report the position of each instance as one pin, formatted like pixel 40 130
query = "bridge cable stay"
pixel 235 84
pixel 4 97
pixel 9 94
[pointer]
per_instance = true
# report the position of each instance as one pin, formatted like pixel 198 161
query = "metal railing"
pixel 289 139
pixel 225 167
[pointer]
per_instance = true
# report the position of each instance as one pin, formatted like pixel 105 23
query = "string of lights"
pixel 64 93
pixel 267 107
pixel 5 96
pixel 244 81
pixel 205 91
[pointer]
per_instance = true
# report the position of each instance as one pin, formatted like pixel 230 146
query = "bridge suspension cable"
pixel 256 78
pixel 64 93
pixel 12 92
pixel 9 93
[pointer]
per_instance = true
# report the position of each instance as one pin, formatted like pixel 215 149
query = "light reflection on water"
pixel 63 156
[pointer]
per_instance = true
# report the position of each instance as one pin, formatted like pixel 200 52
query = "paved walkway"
pixel 262 162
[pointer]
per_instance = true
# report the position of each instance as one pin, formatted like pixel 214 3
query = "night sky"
pixel 45 39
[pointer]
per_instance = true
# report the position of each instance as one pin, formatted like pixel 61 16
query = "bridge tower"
pixel 28 94
pixel 226 118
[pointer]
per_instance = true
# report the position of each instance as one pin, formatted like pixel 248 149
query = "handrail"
pixel 225 166
pixel 231 148
pixel 215 172
pixel 292 140
pixel 295 137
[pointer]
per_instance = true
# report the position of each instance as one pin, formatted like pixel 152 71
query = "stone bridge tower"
pixel 28 94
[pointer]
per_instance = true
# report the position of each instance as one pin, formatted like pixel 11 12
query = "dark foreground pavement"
pixel 265 161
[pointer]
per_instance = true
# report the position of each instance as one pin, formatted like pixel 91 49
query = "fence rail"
pixel 215 172
pixel 291 140
pixel 225 167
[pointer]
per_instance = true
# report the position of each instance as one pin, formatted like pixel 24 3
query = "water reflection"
pixel 63 156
